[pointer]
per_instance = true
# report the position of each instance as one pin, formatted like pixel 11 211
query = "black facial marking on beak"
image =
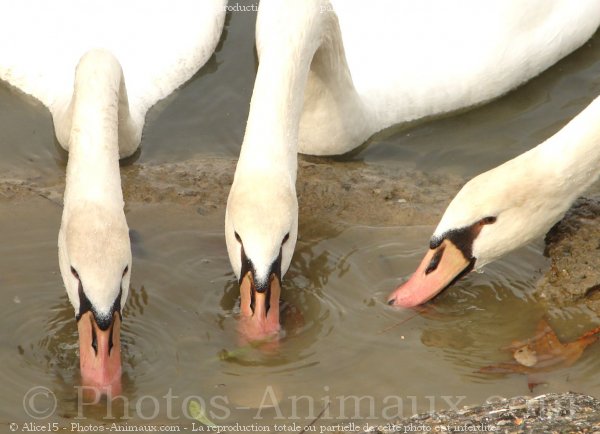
pixel 84 303
pixel 435 261
pixel 462 238
pixel 110 338
pixel 247 266
pixel 94 339
pixel 103 321
pixel 252 298
pixel 274 271
pixel 262 287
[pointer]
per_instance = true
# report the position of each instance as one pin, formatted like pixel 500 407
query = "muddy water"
pixel 179 323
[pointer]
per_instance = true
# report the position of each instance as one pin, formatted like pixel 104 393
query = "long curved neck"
pixel 95 122
pixel 289 33
pixel 572 156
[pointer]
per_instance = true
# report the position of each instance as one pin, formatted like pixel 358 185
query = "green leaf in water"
pixel 237 353
pixel 197 412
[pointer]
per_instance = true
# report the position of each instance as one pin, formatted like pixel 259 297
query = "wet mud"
pixel 346 192
pixel 573 246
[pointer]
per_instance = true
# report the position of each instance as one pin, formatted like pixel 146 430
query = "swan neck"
pixel 573 154
pixel 288 35
pixel 97 108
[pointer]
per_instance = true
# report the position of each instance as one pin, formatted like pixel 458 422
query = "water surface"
pixel 180 316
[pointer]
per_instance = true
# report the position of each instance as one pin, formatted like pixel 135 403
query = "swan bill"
pixel 100 354
pixel 259 319
pixel 439 269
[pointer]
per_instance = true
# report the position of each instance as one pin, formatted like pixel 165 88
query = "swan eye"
pixel 287 237
pixel 75 273
pixel 487 220
pixel 237 237
pixel 125 270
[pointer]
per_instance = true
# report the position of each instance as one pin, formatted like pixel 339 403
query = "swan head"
pixel 261 226
pixel 494 213
pixel 95 264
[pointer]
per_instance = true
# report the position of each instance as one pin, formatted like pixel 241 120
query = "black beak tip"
pixel 391 301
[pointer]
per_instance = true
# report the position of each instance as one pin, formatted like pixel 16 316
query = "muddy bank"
pixel 351 192
pixel 544 414
pixel 331 192
pixel 573 246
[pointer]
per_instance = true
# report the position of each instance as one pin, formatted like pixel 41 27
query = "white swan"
pixel 98 66
pixel 331 75
pixel 508 206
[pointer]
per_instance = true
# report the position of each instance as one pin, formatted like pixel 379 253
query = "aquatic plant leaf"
pixel 543 352
pixel 242 351
pixel 197 412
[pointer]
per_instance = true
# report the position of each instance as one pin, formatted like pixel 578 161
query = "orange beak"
pixel 100 354
pixel 439 269
pixel 259 311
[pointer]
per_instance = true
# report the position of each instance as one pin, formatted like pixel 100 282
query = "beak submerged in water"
pixel 100 352
pixel 439 269
pixel 259 307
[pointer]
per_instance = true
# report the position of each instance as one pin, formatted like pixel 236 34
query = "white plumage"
pixel 99 66
pixel 507 207
pixel 332 74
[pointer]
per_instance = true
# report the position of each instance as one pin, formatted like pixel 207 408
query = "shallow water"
pixel 181 312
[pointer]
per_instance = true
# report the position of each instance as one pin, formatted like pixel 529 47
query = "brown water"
pixel 181 312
